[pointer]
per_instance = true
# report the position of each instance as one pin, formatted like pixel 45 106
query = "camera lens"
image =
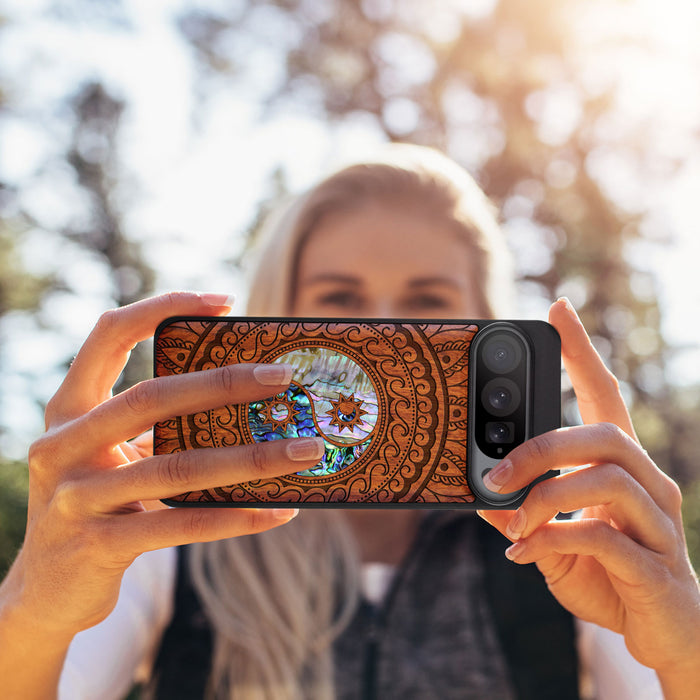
pixel 499 432
pixel 502 353
pixel 500 396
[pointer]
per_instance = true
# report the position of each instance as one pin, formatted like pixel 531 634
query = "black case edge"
pixel 545 345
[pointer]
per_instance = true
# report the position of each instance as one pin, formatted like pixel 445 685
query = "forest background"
pixel 140 143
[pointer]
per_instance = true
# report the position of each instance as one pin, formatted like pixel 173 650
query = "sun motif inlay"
pixel 278 412
pixel 346 412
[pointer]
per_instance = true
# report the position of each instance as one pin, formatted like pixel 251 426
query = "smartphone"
pixel 413 413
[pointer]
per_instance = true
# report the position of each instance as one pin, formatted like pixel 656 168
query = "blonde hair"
pixel 405 175
pixel 277 600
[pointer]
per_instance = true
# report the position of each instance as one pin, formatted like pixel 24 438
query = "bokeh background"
pixel 140 142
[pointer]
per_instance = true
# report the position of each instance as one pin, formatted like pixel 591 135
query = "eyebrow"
pixel 433 281
pixel 350 280
pixel 331 277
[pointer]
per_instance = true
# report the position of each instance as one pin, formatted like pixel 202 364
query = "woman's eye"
pixel 341 299
pixel 427 302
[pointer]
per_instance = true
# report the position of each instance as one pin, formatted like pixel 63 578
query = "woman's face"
pixel 385 261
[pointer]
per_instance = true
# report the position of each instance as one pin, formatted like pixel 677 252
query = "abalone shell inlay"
pixel 330 397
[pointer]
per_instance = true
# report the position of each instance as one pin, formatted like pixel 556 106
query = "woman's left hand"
pixel 623 564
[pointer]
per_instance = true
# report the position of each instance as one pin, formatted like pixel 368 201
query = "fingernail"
pixel 273 375
pixel 218 300
pixel 517 525
pixel 499 476
pixel 515 550
pixel 569 306
pixel 285 514
pixel 303 449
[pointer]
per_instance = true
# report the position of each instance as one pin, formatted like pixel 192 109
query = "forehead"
pixel 377 238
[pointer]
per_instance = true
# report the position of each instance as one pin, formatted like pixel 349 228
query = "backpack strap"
pixel 536 633
pixel 183 664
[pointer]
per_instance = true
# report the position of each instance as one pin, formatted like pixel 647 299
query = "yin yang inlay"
pixel 330 397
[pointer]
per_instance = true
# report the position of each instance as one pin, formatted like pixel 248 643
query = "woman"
pixel 412 236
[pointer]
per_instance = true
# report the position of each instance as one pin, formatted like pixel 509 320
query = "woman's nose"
pixel 382 308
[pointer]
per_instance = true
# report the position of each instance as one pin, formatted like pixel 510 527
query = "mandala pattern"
pixel 389 400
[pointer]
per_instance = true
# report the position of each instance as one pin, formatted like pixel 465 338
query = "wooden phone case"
pixel 390 398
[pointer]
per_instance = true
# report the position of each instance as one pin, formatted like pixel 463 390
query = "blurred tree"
pixel 501 87
pixel 19 290
pixel 94 156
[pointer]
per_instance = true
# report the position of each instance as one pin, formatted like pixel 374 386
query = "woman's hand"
pixel 86 517
pixel 623 564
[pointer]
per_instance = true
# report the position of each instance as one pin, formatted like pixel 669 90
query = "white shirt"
pixel 104 661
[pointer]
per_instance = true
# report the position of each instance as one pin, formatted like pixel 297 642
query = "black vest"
pixel 416 645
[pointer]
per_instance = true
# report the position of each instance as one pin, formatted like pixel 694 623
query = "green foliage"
pixel 691 521
pixel 18 289
pixel 14 484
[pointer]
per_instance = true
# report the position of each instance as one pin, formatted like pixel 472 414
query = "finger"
pixel 576 446
pixel 138 408
pixel 497 518
pixel 143 444
pixel 614 550
pixel 155 529
pixel 138 448
pixel 596 388
pixel 105 352
pixel 165 476
pixel 131 452
pixel 606 486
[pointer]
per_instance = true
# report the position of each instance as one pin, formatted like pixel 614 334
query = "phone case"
pixel 390 399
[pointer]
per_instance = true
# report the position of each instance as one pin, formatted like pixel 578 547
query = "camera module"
pixel 501 389
pixel 504 360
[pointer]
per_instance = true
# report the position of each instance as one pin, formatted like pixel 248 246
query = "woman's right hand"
pixel 86 516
